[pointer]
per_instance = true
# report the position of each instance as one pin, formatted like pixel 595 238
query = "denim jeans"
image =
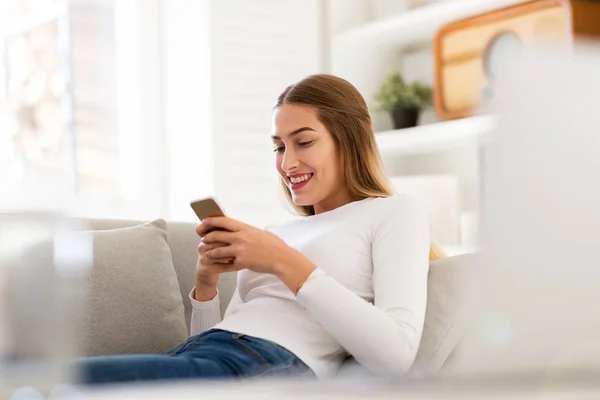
pixel 214 354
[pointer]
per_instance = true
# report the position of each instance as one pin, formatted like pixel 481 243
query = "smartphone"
pixel 207 207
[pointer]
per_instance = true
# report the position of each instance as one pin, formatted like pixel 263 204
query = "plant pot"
pixel 405 117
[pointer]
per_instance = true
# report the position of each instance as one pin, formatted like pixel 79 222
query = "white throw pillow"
pixel 449 302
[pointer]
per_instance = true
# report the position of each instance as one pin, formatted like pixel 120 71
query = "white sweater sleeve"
pixel 206 314
pixel 384 337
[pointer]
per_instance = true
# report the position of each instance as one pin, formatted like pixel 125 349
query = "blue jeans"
pixel 214 354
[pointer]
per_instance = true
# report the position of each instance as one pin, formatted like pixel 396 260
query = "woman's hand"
pixel 244 246
pixel 255 249
pixel 208 271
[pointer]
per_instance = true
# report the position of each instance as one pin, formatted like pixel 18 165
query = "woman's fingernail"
pixel 207 254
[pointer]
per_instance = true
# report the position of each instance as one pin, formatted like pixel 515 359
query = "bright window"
pixel 78 103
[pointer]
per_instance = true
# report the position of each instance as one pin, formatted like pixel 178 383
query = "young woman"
pixel 347 278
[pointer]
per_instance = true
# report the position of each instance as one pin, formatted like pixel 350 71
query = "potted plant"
pixel 403 101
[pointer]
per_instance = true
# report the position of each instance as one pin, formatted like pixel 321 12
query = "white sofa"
pixel 445 320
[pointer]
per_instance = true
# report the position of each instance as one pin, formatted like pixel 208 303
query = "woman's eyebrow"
pixel 293 133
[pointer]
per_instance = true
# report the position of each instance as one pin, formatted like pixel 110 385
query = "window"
pixel 143 105
pixel 37 106
pixel 94 88
pixel 72 100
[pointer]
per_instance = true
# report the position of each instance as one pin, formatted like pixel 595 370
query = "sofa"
pixel 143 272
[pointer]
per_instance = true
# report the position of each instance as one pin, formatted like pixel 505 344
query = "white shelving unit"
pixel 365 53
pixel 419 25
pixel 435 138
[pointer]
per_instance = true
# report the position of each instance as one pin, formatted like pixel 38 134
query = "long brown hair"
pixel 344 112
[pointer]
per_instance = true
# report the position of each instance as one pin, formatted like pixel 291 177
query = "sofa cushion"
pixel 449 298
pixel 134 303
pixel 448 311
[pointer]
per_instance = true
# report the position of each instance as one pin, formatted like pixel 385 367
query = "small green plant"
pixel 395 93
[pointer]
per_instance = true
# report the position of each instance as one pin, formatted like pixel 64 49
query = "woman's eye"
pixel 279 149
pixel 305 144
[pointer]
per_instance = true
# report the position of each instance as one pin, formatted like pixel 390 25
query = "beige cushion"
pixel 134 303
pixel 183 241
pixel 448 315
pixel 449 298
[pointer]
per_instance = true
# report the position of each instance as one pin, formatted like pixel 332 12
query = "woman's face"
pixel 306 158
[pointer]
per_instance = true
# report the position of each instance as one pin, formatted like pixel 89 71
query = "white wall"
pixel 258 48
pixel 187 101
pixel 226 61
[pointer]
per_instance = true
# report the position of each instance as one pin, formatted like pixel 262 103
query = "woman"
pixel 347 278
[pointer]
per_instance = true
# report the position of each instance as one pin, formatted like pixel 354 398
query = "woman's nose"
pixel 289 161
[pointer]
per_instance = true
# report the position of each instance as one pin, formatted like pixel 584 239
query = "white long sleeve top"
pixel 370 305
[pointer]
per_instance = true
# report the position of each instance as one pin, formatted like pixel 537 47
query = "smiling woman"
pixel 332 110
pixel 349 278
pixel 307 159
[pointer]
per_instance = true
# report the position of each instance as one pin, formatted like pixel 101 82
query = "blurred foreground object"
pixel 43 267
pixel 539 314
pixel 466 52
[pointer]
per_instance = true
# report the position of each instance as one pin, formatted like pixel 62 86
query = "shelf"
pixel 419 25
pixel 436 137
